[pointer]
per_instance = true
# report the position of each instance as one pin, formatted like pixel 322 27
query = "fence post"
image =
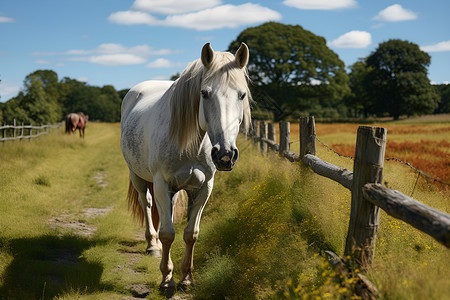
pixel 262 136
pixel 271 132
pixel 285 136
pixel 364 216
pixel 254 130
pixel 14 128
pixel 307 136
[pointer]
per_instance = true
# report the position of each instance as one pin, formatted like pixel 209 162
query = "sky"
pixel 122 43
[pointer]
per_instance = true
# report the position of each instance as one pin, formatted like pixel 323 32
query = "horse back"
pixel 149 91
pixel 73 119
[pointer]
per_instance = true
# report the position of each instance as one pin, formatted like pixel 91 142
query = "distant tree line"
pixel 46 100
pixel 292 72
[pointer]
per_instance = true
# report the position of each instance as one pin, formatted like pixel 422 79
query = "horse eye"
pixel 205 94
pixel 241 95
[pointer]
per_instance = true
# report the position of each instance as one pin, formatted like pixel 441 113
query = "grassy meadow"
pixel 65 232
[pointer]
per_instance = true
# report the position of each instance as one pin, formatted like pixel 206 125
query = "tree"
pixel 175 76
pixel 292 69
pixel 101 104
pixel 358 100
pixel 12 110
pixel 122 93
pixel 444 92
pixel 44 99
pixel 107 106
pixel 40 106
pixel 397 83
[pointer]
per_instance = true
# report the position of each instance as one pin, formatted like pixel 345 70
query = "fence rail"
pixel 368 195
pixel 17 132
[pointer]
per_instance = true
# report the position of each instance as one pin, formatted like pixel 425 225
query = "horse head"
pixel 224 102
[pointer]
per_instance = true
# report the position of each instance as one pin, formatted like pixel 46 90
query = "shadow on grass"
pixel 47 266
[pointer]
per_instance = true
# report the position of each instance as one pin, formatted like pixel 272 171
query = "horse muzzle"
pixel 224 160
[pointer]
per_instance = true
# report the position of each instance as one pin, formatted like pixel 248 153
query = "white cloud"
pixel 169 7
pixel 42 61
pixel 140 50
pixel 439 47
pixel 224 16
pixel 443 82
pixel 162 63
pixel 83 79
pixel 6 20
pixel 113 59
pixel 132 18
pixel 395 13
pixel 109 54
pixel 352 39
pixel 321 4
pixel 8 90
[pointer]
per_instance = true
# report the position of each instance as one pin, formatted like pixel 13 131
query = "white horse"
pixel 174 136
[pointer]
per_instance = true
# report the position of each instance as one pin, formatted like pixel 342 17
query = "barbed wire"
pixel 417 170
pixel 420 172
pixel 393 159
pixel 341 155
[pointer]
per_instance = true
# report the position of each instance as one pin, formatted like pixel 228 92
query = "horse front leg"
pixel 164 198
pixel 196 204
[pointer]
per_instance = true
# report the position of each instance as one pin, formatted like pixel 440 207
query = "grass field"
pixel 65 232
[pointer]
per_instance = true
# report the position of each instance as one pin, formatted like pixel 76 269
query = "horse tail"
pixel 134 205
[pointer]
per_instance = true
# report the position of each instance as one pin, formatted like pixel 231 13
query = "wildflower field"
pixel 425 145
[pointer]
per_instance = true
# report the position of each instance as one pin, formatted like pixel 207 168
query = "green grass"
pixel 262 234
pixel 55 176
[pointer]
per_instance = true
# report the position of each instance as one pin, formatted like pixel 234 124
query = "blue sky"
pixel 125 42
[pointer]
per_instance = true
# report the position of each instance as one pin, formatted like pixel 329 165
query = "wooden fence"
pixel 17 132
pixel 367 193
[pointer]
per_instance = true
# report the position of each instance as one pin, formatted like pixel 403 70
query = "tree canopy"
pixel 397 82
pixel 292 69
pixel 46 100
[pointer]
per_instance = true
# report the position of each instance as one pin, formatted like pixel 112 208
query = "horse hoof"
pixel 168 288
pixel 187 281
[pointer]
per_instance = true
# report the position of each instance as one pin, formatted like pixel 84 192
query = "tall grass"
pixel 267 235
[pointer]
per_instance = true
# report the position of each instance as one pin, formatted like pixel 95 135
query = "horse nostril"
pixel 215 153
pixel 235 155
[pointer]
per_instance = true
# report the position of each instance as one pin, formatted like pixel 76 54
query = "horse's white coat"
pixel 219 99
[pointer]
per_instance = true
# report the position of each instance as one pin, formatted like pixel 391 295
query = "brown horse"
pixel 74 121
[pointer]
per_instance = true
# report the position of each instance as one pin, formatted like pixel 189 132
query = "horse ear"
pixel 242 56
pixel 207 55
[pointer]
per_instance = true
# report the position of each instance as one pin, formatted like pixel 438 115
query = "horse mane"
pixel 185 97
